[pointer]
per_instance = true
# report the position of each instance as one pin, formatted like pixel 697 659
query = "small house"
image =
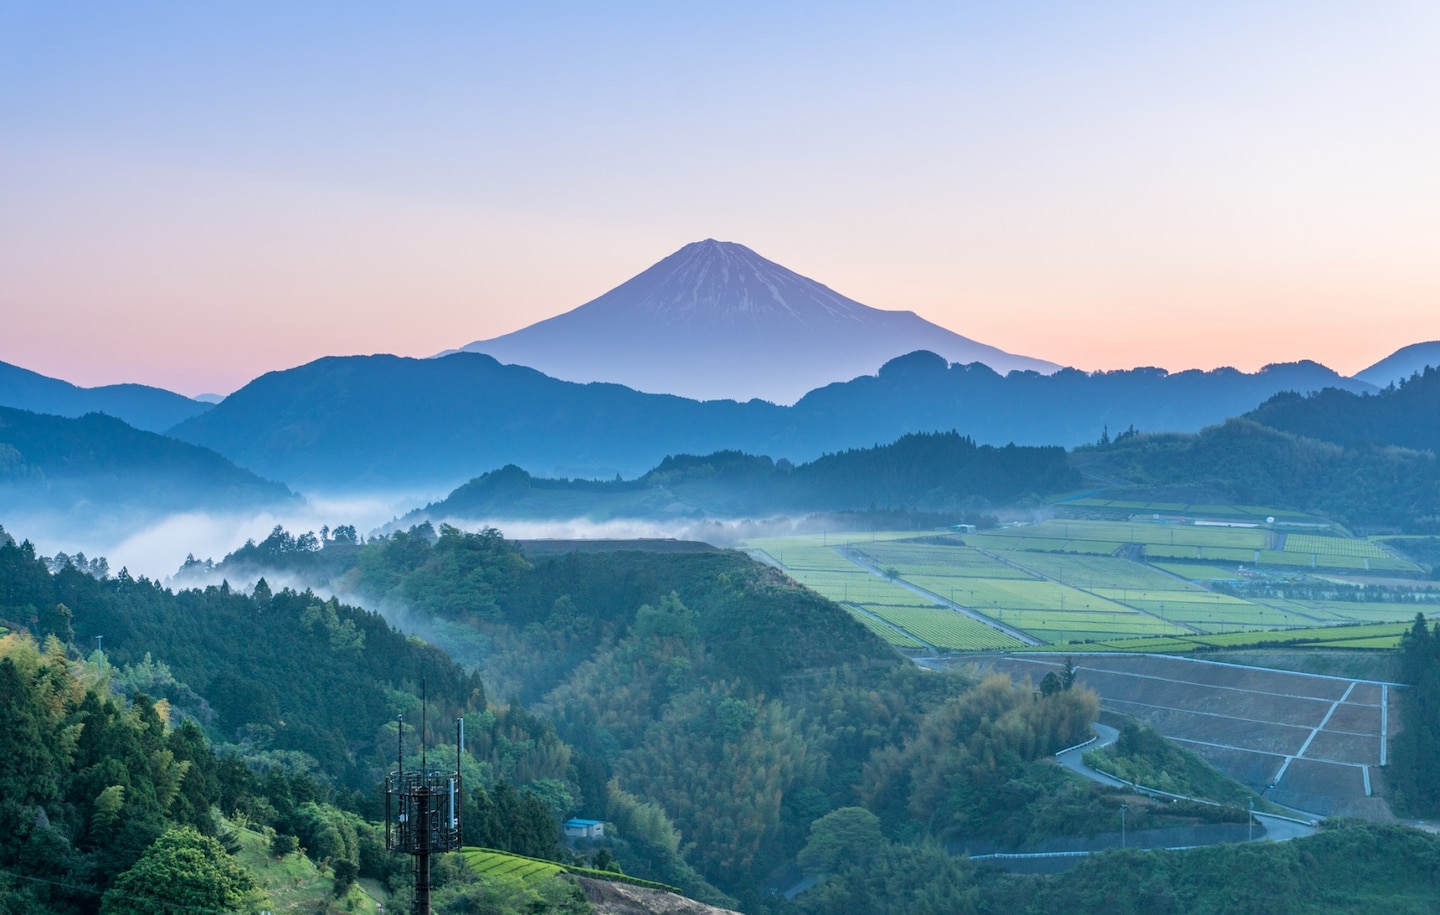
pixel 584 829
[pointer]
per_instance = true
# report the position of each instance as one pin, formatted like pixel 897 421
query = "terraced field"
pixel 1338 553
pixel 1311 742
pixel 500 864
pixel 1333 546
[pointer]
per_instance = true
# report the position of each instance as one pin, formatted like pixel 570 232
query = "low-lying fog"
pixel 158 548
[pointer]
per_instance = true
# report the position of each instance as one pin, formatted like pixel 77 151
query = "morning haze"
pixel 670 460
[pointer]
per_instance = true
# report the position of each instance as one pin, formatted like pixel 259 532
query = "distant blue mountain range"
pixel 364 422
pixel 151 409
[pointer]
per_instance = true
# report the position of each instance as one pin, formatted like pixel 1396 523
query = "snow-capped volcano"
pixel 716 320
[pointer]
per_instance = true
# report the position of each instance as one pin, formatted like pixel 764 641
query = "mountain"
pixel 366 422
pixel 96 470
pixel 1402 363
pixel 147 408
pixel 1070 407
pixel 370 422
pixel 941 472
pixel 716 320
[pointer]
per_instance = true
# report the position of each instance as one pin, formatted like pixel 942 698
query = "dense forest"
pixel 1405 414
pixel 1413 774
pixel 941 472
pixel 1244 462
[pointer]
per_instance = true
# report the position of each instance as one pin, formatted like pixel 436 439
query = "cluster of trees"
pixel 1414 771
pixel 1403 414
pixel 99 793
pixel 1252 464
pixel 1350 867
pixel 944 472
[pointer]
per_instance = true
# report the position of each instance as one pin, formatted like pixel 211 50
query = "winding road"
pixel 1277 828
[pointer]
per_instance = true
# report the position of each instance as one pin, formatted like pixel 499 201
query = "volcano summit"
pixel 716 320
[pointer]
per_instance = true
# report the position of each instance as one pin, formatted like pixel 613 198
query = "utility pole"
pixel 1251 822
pixel 1123 809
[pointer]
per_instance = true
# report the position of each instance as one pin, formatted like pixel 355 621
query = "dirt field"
pixel 1305 740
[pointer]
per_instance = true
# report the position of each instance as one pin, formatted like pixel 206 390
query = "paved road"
pixel 1277 828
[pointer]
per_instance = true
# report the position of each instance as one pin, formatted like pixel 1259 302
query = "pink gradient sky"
pixel 192 195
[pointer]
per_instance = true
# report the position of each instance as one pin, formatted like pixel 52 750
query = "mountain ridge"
pixel 357 422
pixel 1402 364
pixel 95 471
pixel 148 408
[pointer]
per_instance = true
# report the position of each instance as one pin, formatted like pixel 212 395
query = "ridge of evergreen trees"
pixel 1406 414
pixel 1414 770
pixel 941 471
pixel 1251 464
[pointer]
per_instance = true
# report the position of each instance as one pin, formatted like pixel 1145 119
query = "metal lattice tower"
pixel 422 808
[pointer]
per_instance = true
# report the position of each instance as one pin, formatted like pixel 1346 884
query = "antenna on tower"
pixel 422 808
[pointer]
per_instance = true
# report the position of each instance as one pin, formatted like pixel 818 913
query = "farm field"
pixel 488 863
pixel 1196 571
pixel 1070 597
pixel 1094 583
pixel 945 628
pixel 1314 739
pixel 937 561
pixel 895 613
pixel 1333 546
pixel 1332 551
pixel 1359 611
pixel 1380 635
pixel 1090 572
pixel 1118 532
pixel 1197 510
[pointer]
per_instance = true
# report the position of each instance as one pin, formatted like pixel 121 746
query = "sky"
pixel 193 194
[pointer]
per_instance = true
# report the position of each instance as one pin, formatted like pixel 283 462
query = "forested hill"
pixel 285 672
pixel 366 421
pixel 1405 414
pixel 715 709
pixel 53 465
pixel 1250 464
pixel 939 472
pixel 151 409
pixel 300 693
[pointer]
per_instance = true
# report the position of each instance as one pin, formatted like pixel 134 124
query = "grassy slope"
pixel 295 884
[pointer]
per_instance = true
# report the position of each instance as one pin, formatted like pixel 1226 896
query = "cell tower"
pixel 422 808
